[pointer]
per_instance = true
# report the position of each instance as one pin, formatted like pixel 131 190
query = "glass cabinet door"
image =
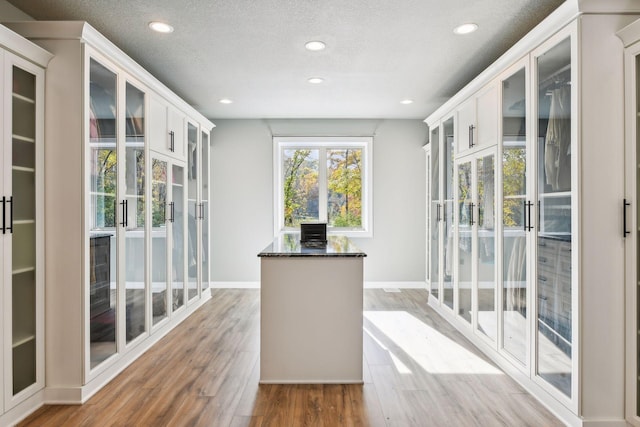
pixel 204 207
pixel 554 186
pixel 103 203
pixel 178 241
pixel 20 224
pixel 436 214
pixel 447 192
pixel 134 211
pixel 193 211
pixel 465 240
pixel 159 241
pixel 514 203
pixel 485 246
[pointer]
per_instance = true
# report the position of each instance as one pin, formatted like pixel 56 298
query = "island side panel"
pixel 311 320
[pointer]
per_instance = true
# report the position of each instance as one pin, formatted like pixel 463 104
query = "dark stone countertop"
pixel 288 245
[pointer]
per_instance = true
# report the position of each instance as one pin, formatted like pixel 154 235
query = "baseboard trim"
pixel 396 285
pixel 79 395
pixel 604 423
pixel 22 410
pixel 235 285
pixel 367 285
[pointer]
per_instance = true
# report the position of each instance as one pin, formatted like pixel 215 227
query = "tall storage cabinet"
pixel 630 36
pixel 22 224
pixel 117 174
pixel 551 313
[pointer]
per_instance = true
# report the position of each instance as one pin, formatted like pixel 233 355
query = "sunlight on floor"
pixel 400 367
pixel 434 352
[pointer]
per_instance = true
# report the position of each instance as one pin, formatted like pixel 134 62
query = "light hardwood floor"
pixel 419 371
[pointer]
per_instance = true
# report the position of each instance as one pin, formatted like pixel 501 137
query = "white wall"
pixel 242 193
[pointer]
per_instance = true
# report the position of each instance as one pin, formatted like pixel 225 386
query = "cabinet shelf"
pixel 556 194
pixel 22 169
pixel 23 270
pixel 23 138
pixel 21 340
pixel 24 221
pixel 23 98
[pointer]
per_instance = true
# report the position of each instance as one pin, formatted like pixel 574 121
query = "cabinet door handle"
pixel 124 212
pixel 10 227
pixel 172 211
pixel 624 218
pixel 529 226
pixel 471 221
pixel 524 212
pixel 437 212
pixel 471 143
pixel 172 141
pixel 4 200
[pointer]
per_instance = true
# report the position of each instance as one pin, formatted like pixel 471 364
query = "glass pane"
pixel 448 213
pixel 554 196
pixel 102 203
pixel 436 213
pixel 177 237
pixel 465 240
pixel 344 185
pixel 159 259
pixel 514 193
pixel 301 190
pixel 192 222
pixel 23 227
pixel 486 257
pixel 135 214
pixel 205 209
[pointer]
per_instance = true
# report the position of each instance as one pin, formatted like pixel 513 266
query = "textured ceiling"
pixel 252 51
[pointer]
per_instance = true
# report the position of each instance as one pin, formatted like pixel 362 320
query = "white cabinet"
pixel 22 273
pixel 630 36
pixel 120 282
pixel 553 104
pixel 476 125
pixel 166 128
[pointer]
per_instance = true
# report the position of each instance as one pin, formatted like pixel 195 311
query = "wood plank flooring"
pixel 419 371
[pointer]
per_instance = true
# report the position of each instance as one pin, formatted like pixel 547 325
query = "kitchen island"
pixel 311 312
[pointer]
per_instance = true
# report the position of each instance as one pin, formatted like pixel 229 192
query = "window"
pixel 323 179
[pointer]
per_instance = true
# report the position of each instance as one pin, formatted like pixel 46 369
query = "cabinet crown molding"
pixel 85 33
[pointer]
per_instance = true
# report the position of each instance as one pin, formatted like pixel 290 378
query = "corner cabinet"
pixel 21 225
pixel 126 254
pixel 536 253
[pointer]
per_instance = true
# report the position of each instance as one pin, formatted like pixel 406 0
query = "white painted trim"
pixel 323 143
pixel 550 402
pixel 367 285
pixel 311 382
pixel 22 47
pixel 22 410
pixel 79 395
pixel 235 285
pixel 83 31
pixel 397 285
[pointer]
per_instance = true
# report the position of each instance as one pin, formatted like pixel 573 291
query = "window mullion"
pixel 322 185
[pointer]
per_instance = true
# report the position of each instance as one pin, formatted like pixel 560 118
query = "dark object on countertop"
pixel 313 234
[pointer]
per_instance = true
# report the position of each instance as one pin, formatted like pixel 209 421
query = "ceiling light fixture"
pixel 225 101
pixel 161 27
pixel 406 101
pixel 465 28
pixel 315 45
pixel 315 80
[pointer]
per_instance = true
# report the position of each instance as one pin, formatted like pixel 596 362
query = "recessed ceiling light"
pixel 315 45
pixel 465 28
pixel 315 80
pixel 161 27
pixel 406 101
pixel 225 101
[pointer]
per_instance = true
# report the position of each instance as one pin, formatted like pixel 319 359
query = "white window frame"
pixel 324 143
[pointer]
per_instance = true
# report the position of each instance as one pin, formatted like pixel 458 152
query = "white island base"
pixel 311 320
